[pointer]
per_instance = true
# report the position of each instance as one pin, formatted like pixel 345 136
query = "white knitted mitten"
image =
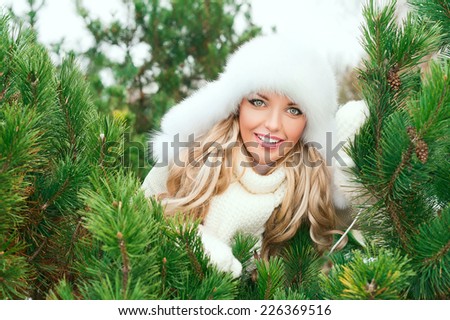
pixel 349 118
pixel 220 253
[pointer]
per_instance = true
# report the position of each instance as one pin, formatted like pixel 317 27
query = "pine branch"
pixel 163 275
pixel 125 263
pixel 302 264
pixel 431 247
pixel 394 210
pixel 39 249
pixel 63 291
pixel 70 129
pixel 244 249
pixel 439 255
pixel 374 274
pixel 118 210
pixel 435 116
pixel 270 277
pixel 183 232
pixel 437 12
pixel 193 258
pixel 56 195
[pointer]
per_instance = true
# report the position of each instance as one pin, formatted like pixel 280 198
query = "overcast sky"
pixel 331 24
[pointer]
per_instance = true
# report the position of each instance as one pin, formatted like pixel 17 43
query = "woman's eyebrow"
pixel 265 98
pixel 262 96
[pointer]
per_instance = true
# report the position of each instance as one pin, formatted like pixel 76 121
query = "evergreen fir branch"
pixel 375 274
pixel 183 232
pixel 38 250
pixel 415 41
pixel 15 271
pixel 191 243
pixel 379 30
pixel 384 149
pixel 248 289
pixel 7 47
pixel 19 139
pixel 62 188
pixel 110 288
pixel 125 262
pixel 437 12
pixel 75 236
pixel 289 294
pixel 302 264
pixel 21 156
pixel 62 291
pixel 270 277
pixel 404 163
pixel 34 78
pixel 216 285
pixel 121 219
pixel 75 107
pixel 105 143
pixel 430 109
pixel 174 270
pixel 42 172
pixel 244 248
pixel 18 154
pixel 442 253
pixel 431 247
pixel 59 185
pixel 173 265
pixel 390 75
pixel 396 213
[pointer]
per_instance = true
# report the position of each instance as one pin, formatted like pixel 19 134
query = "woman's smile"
pixel 268 141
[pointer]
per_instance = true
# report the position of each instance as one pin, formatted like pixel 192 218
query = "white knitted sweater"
pixel 244 207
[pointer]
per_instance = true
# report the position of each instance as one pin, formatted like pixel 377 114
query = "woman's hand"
pixel 220 253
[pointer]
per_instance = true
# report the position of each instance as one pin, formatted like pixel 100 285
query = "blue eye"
pixel 295 111
pixel 257 102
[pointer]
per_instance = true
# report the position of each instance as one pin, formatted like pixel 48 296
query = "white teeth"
pixel 268 140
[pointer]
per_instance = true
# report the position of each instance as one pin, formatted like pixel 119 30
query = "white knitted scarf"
pixel 246 204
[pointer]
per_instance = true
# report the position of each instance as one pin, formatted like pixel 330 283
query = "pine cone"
pixel 394 79
pixel 29 191
pixel 422 150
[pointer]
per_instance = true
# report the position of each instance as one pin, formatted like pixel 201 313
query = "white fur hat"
pixel 271 64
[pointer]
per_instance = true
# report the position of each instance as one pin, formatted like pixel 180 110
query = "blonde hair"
pixel 308 199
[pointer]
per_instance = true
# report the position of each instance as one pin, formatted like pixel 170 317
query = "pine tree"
pixel 51 141
pixel 401 161
pixel 76 226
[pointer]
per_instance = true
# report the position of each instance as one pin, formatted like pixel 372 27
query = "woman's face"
pixel 270 125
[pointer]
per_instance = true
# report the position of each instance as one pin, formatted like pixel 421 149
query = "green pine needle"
pixel 375 274
pixel 271 277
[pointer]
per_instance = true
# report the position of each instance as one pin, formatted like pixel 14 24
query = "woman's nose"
pixel 273 120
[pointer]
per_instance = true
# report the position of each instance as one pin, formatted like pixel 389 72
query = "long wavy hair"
pixel 208 171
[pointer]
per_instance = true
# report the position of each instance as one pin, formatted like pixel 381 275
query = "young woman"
pixel 255 151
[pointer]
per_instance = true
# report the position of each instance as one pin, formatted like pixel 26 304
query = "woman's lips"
pixel 263 141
